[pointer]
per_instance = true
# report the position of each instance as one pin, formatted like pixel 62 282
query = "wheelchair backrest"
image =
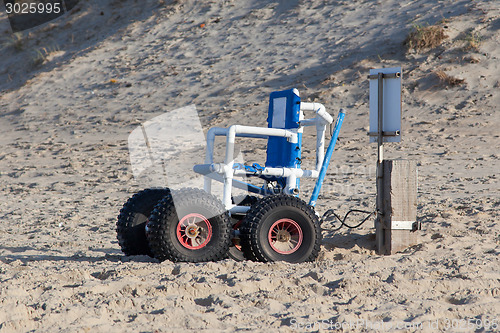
pixel 284 112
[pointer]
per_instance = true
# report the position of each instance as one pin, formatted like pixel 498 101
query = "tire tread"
pixel 128 241
pixel 159 241
pixel 249 233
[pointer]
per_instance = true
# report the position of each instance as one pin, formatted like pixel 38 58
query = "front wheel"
pixel 281 228
pixel 190 225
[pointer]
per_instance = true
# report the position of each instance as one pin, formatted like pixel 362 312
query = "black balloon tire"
pixel 161 229
pixel 261 217
pixel 131 223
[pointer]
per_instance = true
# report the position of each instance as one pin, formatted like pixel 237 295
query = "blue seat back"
pixel 284 112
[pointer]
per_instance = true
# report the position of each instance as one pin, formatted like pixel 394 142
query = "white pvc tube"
pixel 322 119
pixel 281 172
pixel 229 161
pixel 209 155
pixel 305 106
pixel 256 132
pixel 291 135
pixel 319 109
pixel 320 145
pixel 291 184
pixel 309 122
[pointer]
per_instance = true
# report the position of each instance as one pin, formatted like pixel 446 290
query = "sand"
pixel 73 90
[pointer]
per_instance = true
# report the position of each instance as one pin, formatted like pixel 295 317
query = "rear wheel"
pixel 130 227
pixel 190 225
pixel 281 228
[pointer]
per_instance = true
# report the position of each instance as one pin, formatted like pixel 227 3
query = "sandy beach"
pixel 73 89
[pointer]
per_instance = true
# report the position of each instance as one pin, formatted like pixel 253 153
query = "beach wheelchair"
pixel 269 224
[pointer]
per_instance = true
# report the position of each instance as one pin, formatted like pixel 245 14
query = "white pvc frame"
pixel 321 121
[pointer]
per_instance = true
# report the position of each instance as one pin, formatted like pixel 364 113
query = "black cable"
pixel 327 216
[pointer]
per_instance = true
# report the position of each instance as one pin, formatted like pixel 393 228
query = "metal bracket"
pixel 390 133
pixel 404 225
pixel 385 76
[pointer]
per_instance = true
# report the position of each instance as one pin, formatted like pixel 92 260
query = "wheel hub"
pixel 285 236
pixel 194 231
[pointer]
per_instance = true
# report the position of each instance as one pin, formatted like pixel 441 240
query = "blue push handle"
pixel 326 160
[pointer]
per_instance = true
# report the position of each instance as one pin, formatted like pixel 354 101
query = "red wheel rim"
pixel 194 231
pixel 285 236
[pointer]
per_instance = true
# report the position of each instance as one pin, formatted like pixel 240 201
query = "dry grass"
pixel 472 41
pixel 425 37
pixel 449 80
pixel 16 41
pixel 40 56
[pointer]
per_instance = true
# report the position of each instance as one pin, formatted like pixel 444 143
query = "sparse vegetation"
pixel 38 58
pixel 425 37
pixel 473 41
pixel 41 55
pixel 16 41
pixel 448 80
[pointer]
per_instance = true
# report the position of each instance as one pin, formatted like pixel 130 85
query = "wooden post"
pixel 396 228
